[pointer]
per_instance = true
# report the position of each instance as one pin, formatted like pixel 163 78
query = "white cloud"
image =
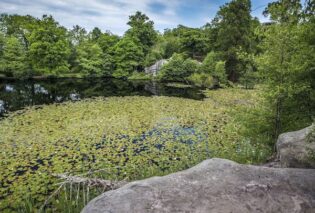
pixel 114 14
pixel 106 14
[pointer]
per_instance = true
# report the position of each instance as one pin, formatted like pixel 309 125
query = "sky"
pixel 113 15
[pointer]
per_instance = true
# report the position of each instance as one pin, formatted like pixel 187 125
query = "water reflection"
pixel 9 88
pixel 2 110
pixel 15 95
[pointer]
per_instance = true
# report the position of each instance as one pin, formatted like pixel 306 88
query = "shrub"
pixel 202 80
pixel 178 69
pixel 209 63
pixel 139 76
pixel 220 73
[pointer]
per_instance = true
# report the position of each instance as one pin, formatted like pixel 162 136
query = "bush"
pixel 212 65
pixel 249 78
pixel 178 69
pixel 209 63
pixel 139 76
pixel 220 73
pixel 202 80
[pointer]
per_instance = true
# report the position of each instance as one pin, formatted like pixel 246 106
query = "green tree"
pixel 107 41
pixel 284 11
pixel 95 34
pixel 77 35
pixel 170 46
pixel 49 47
pixel 13 61
pixel 127 57
pixel 287 66
pixel 233 30
pixel 193 42
pixel 18 26
pixel 2 43
pixel 142 29
pixel 90 59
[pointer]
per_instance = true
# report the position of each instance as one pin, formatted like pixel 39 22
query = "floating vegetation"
pixel 133 137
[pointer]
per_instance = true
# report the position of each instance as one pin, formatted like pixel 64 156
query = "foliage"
pixel 233 29
pixel 107 41
pixel 130 137
pixel 127 56
pixel 49 49
pixel 13 60
pixel 91 60
pixel 153 57
pixel 177 69
pixel 249 75
pixel 220 73
pixel 193 42
pixel 209 63
pixel 170 45
pixel 284 11
pixel 139 76
pixel 142 29
pixel 212 65
pixel 202 80
pixel 287 67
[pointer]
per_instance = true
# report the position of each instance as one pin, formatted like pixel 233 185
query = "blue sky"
pixel 113 14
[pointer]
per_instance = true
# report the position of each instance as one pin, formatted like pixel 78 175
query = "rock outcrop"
pixel 220 186
pixel 155 68
pixel 215 185
pixel 294 149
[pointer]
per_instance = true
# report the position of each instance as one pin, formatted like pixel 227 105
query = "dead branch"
pixel 106 184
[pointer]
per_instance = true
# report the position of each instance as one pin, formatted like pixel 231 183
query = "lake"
pixel 15 95
pixel 110 129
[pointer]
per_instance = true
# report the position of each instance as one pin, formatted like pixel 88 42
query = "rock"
pixel 215 185
pixel 294 149
pixel 155 68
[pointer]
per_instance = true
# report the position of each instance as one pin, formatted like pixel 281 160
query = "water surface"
pixel 15 95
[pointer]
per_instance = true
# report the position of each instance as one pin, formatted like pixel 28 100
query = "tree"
pixel 2 44
pixel 142 29
pixel 170 46
pixel 77 35
pixel 233 29
pixel 19 26
pixel 284 11
pixel 107 41
pixel 49 48
pixel 194 42
pixel 286 66
pixel 13 61
pixel 91 61
pixel 127 56
pixel 95 34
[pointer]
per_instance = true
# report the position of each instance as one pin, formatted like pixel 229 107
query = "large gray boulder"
pixel 294 149
pixel 218 186
pixel 155 68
